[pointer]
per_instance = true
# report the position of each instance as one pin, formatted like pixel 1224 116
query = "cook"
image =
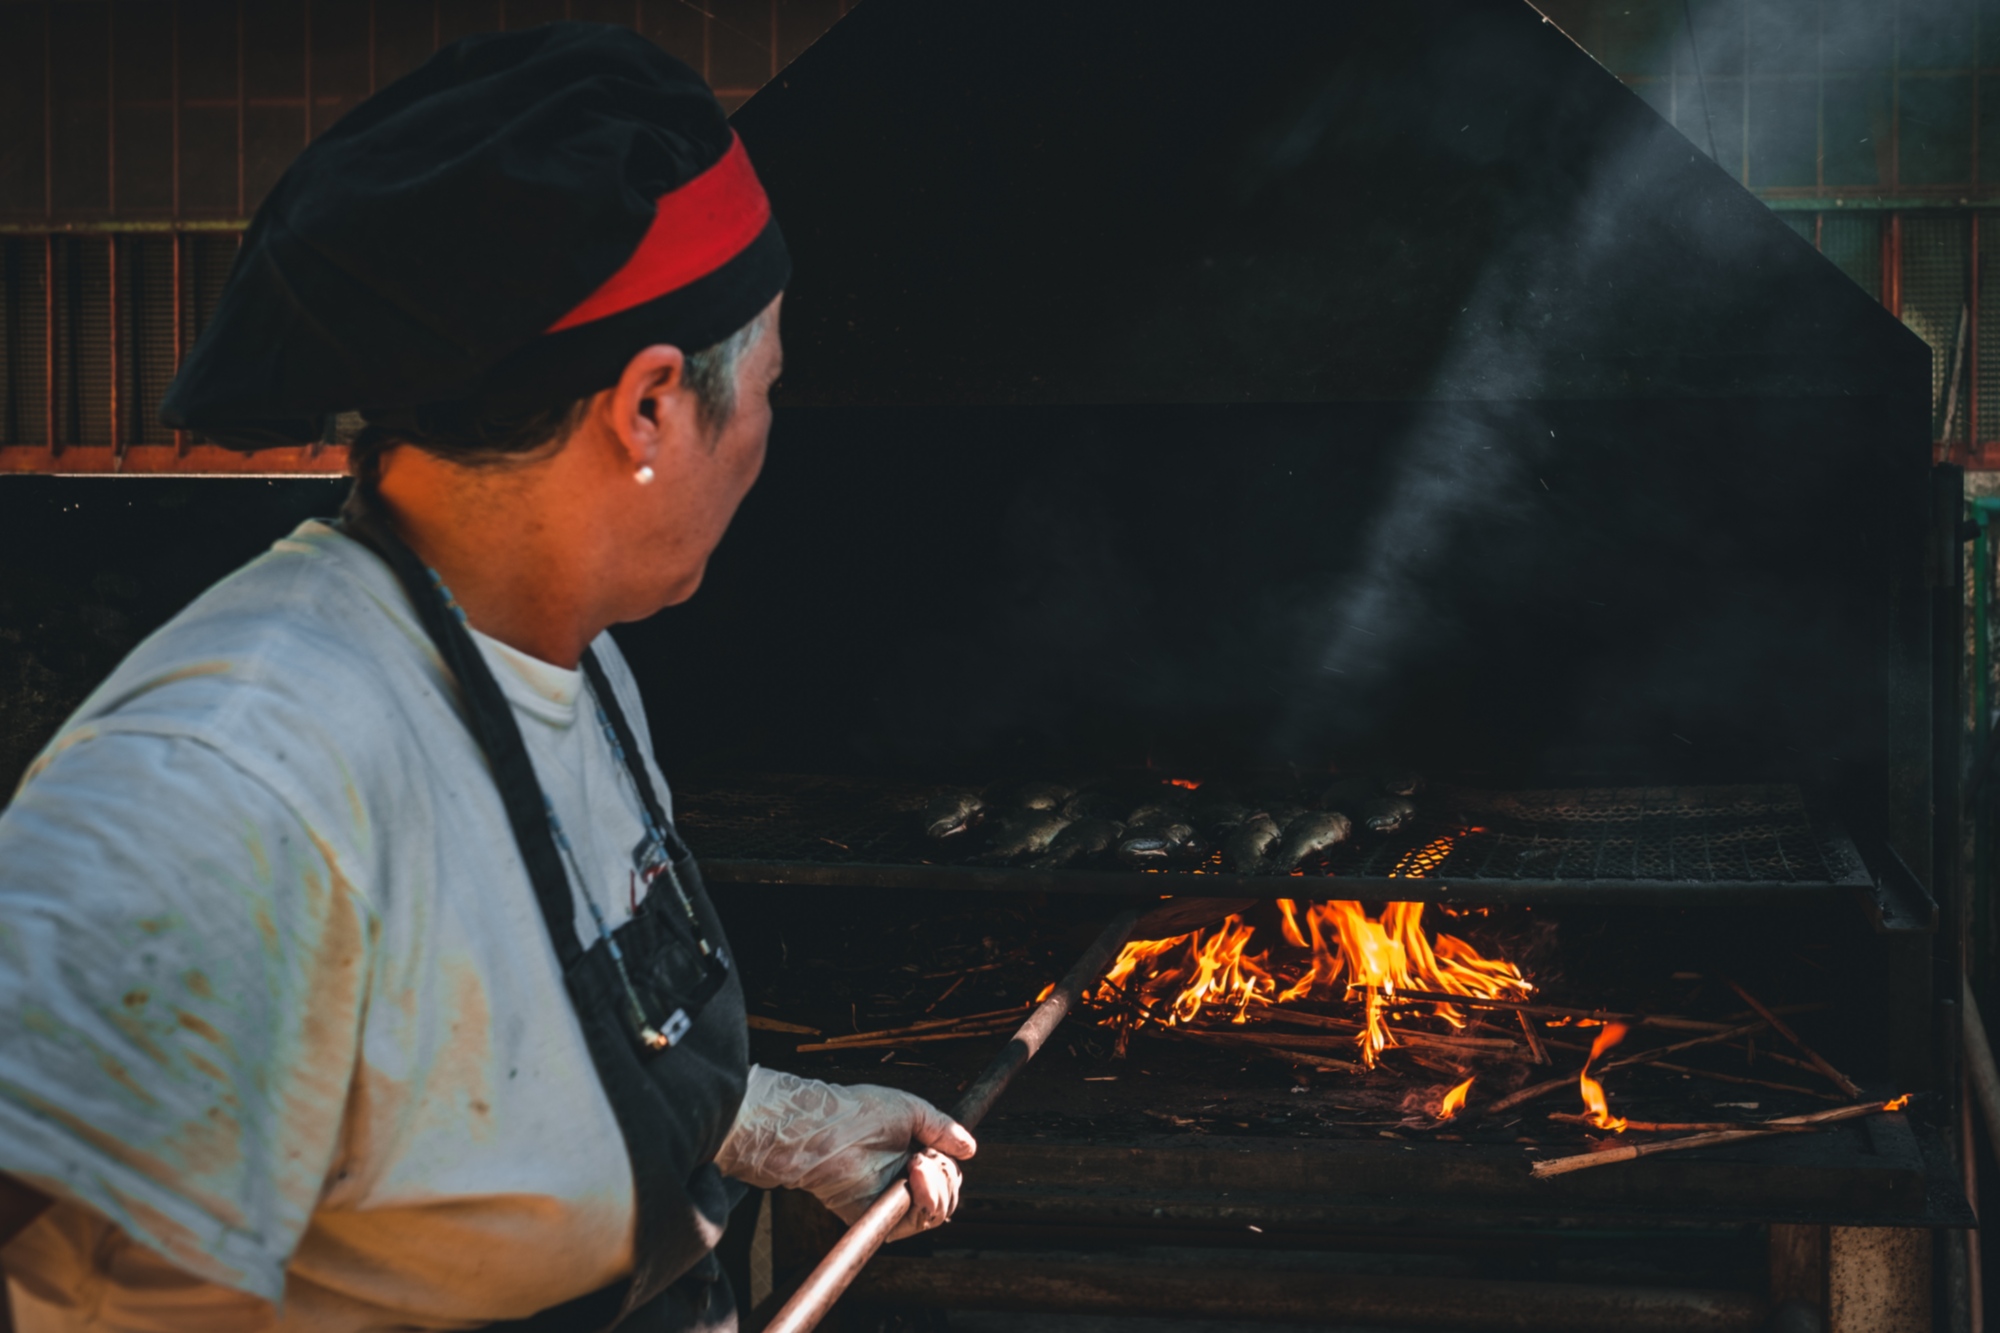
pixel 356 975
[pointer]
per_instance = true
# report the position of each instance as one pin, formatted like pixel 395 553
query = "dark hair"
pixel 472 438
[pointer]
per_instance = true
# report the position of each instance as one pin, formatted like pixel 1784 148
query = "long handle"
pixel 844 1262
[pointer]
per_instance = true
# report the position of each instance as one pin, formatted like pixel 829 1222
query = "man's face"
pixel 705 470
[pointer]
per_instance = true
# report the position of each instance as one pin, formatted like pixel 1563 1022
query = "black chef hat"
pixel 496 232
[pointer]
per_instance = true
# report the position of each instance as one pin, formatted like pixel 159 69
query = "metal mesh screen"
pixel 23 342
pixel 1989 328
pixel 1935 272
pixel 146 273
pixel 1854 243
pixel 83 340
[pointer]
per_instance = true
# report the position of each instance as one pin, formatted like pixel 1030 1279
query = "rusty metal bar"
pixel 853 1251
pixel 196 460
pixel 174 122
pixel 242 112
pixel 111 336
pixel 49 340
pixel 111 108
pixel 123 226
pixel 1305 1295
pixel 179 315
pixel 48 112
pixel 1892 264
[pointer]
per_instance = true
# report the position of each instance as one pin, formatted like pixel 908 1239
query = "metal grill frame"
pixel 1614 845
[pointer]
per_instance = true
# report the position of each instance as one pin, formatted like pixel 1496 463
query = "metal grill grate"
pixel 1629 843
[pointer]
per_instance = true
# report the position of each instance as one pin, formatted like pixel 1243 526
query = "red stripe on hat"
pixel 696 229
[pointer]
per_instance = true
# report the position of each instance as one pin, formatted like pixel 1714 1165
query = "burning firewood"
pixel 1170 982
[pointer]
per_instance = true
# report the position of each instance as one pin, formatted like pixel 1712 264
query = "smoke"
pixel 1468 465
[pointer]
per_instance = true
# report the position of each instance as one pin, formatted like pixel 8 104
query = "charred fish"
pixel 1080 841
pixel 1314 831
pixel 1150 845
pixel 952 813
pixel 1388 814
pixel 1244 853
pixel 1024 836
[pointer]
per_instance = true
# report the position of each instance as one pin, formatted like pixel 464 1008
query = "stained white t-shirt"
pixel 280 1011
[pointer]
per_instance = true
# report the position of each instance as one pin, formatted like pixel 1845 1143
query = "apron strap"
pixel 628 750
pixel 490 719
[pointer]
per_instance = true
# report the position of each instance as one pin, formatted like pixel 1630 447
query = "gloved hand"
pixel 845 1145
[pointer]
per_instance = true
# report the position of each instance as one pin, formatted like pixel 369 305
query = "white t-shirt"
pixel 279 1006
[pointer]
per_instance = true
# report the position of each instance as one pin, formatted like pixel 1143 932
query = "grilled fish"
pixel 1080 841
pixel 1314 831
pixel 1024 835
pixel 1150 845
pixel 954 812
pixel 1244 853
pixel 1403 784
pixel 1388 814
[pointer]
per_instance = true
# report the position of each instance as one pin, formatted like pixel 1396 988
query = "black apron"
pixel 659 1000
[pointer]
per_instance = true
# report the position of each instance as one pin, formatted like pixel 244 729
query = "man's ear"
pixel 650 402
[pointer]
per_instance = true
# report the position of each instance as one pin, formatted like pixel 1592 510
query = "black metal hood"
pixel 1154 201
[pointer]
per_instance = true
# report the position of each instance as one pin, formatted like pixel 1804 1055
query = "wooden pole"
pixel 810 1303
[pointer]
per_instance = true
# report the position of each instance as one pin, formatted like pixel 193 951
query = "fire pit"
pixel 1227 409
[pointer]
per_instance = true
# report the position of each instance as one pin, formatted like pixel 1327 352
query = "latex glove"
pixel 845 1144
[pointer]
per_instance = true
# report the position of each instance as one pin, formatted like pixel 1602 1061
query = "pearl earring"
pixel 644 476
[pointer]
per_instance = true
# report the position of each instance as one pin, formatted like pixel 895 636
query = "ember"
pixel 1172 981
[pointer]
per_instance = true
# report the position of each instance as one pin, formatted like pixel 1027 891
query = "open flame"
pixel 1454 1101
pixel 1593 1091
pixel 1173 980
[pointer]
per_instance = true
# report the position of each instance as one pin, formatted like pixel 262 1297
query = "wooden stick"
pixel 949 991
pixel 835 1272
pixel 1318 1062
pixel 1534 1039
pixel 909 1039
pixel 1746 1082
pixel 1840 1080
pixel 1679 1127
pixel 759 1023
pixel 1534 1090
pixel 1626 1152
pixel 1779 1056
pixel 1649 1056
pixel 1557 1011
pixel 1403 1036
pixel 931 1024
